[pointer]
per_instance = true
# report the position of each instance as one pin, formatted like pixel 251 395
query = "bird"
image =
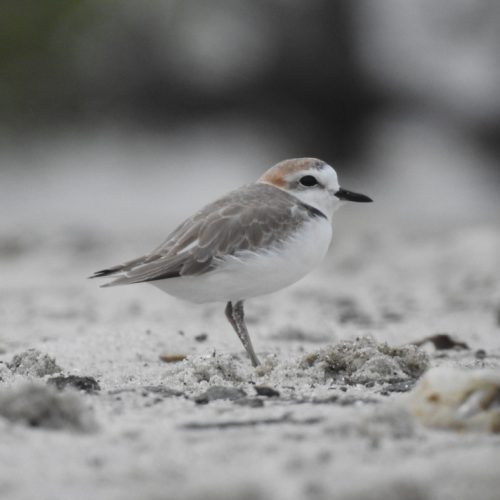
pixel 253 241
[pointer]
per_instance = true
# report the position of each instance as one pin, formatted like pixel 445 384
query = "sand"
pixel 324 417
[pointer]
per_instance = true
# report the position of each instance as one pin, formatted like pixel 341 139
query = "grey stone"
pixel 86 384
pixel 220 392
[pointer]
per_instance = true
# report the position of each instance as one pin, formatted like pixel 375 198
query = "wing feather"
pixel 249 218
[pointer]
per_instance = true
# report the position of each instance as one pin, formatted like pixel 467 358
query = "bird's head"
pixel 312 181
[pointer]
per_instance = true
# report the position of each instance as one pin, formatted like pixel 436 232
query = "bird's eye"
pixel 308 180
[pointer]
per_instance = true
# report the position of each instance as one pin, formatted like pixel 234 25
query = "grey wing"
pixel 231 225
pixel 138 262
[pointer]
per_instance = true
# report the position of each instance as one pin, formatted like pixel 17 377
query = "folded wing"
pixel 240 221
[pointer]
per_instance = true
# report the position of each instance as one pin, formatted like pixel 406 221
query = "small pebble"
pixel 163 391
pixel 201 337
pixel 220 392
pixel 328 400
pixel 480 354
pixel 398 387
pixel 250 402
pixel 86 384
pixel 264 390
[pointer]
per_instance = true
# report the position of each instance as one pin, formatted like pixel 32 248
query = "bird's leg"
pixel 229 316
pixel 236 317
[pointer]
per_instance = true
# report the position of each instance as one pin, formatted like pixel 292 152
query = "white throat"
pixel 322 199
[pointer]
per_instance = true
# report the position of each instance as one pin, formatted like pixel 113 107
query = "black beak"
pixel 343 194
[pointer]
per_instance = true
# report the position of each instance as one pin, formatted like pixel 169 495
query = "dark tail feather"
pixel 106 272
pixel 110 271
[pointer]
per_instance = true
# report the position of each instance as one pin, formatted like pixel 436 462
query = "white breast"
pixel 250 274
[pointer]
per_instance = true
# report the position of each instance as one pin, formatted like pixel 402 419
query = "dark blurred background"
pixel 115 99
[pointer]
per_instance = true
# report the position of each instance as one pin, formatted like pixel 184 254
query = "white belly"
pixel 250 274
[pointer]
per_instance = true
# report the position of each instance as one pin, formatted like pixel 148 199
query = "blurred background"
pixel 125 114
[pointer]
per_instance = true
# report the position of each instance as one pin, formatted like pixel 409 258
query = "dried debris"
pixel 366 361
pixel 217 368
pixel 172 358
pixel 33 363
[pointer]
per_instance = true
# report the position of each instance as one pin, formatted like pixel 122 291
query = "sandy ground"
pixel 151 431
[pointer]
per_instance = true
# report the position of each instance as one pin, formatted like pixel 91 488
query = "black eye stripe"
pixel 308 180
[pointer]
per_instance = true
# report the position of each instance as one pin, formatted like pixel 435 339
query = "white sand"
pixel 320 439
